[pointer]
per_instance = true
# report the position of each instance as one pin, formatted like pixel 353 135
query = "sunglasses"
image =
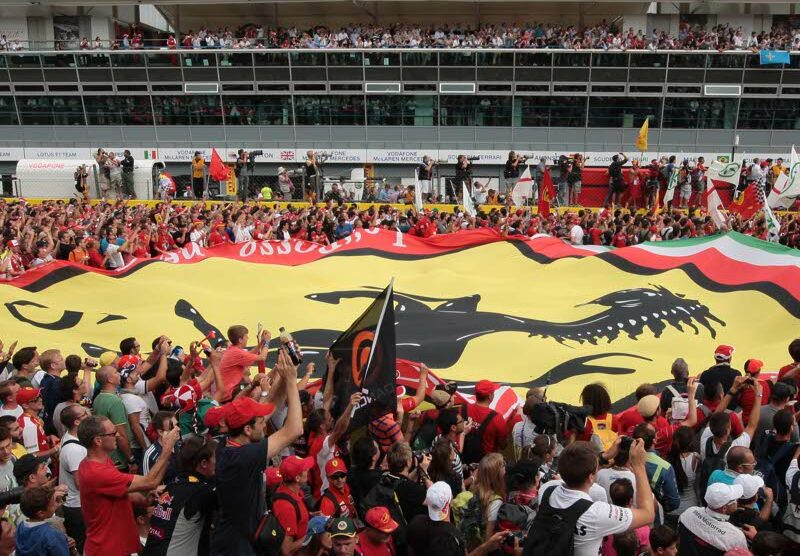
pixel 338 476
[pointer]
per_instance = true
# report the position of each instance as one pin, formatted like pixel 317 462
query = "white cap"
pixel 438 500
pixel 750 485
pixel 720 495
pixel 281 170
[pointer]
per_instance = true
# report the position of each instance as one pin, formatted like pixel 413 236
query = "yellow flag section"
pixel 484 312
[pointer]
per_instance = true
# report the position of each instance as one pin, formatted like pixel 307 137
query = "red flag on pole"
pixel 546 193
pixel 747 203
pixel 217 170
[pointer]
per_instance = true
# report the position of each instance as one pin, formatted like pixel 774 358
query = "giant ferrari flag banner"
pixel 470 305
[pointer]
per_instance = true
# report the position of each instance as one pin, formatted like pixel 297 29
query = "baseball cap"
pixel 274 477
pixel 12 243
pixel 27 394
pixel 380 519
pixel 107 358
pixel 292 466
pixel 723 353
pixel 438 500
pixel 648 405
pixel 342 527
pixel 316 525
pixel 244 409
pixel 216 414
pixel 750 485
pixel 485 387
pixel 334 466
pixel 753 366
pixel 719 495
pixel 26 465
pixel 128 362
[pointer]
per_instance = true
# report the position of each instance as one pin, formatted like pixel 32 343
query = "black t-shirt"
pixel 773 447
pixel 64 249
pixel 722 373
pixel 188 504
pixel 411 496
pixel 127 164
pixel 240 496
pixel 441 538
pixel 423 172
pixel 361 482
pixel 511 171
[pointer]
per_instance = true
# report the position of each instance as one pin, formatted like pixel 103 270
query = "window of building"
pixel 765 113
pixel 187 110
pixel 329 110
pixel 52 110
pixel 470 110
pixel 624 111
pixel 551 111
pixel 700 113
pixel 257 110
pixel 8 111
pixel 118 110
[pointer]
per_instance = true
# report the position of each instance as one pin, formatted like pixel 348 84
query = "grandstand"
pixel 546 77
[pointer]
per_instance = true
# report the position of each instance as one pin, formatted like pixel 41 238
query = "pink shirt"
pixel 234 362
pixel 642 535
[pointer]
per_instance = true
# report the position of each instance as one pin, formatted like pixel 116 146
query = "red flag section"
pixel 217 170
pixel 747 203
pixel 546 193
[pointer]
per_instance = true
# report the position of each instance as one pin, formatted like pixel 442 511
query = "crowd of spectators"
pixel 152 450
pixel 110 234
pixel 606 36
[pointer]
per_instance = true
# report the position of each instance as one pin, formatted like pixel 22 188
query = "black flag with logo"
pixel 367 353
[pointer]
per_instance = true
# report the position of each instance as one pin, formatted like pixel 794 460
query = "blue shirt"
pixel 663 482
pixel 343 230
pixel 40 539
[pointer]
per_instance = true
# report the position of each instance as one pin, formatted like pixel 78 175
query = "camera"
pixel 512 536
pixel 419 454
pixel 91 363
pixel 11 496
pixel 625 444
pixel 557 418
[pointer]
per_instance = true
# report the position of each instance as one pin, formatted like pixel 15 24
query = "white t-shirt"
pixel 608 475
pixel 600 520
pixel 523 433
pixel 115 259
pixel 713 528
pixel 197 236
pixel 134 404
pixel 148 397
pixel 576 235
pixel 70 458
pixel 742 440
pixel 325 454
pixel 30 435
pixel 16 412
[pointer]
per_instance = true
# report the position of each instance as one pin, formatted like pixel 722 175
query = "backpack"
pixel 712 462
pixel 765 464
pixel 468 517
pixel 269 534
pixel 679 404
pixel 602 433
pixel 553 530
pixel 383 494
pixel 425 435
pixel 473 449
pixel 791 517
pixel 515 517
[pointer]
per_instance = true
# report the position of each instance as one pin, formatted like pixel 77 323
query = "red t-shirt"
pixel 107 511
pixel 234 362
pixel 314 475
pixel 367 548
pixel 747 397
pixel 495 432
pixel 287 516
pixel 409 404
pixel 736 423
pixel 627 420
pixel 344 501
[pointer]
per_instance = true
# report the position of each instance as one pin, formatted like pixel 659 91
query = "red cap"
pixel 216 414
pixel 336 465
pixel 188 394
pixel 26 394
pixel 274 477
pixel 128 362
pixel 293 466
pixel 753 366
pixel 379 518
pixel 723 353
pixel 12 243
pixel 244 409
pixel 485 388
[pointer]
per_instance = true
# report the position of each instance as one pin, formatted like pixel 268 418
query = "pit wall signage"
pixel 290 157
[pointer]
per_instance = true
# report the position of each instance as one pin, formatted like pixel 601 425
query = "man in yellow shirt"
pixel 777 169
pixel 17 448
pixel 266 193
pixel 198 174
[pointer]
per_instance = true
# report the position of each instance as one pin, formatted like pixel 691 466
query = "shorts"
pixel 617 186
pixel 425 186
pixel 576 186
pixel 686 190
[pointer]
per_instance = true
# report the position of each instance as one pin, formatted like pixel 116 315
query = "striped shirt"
pixel 458 467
